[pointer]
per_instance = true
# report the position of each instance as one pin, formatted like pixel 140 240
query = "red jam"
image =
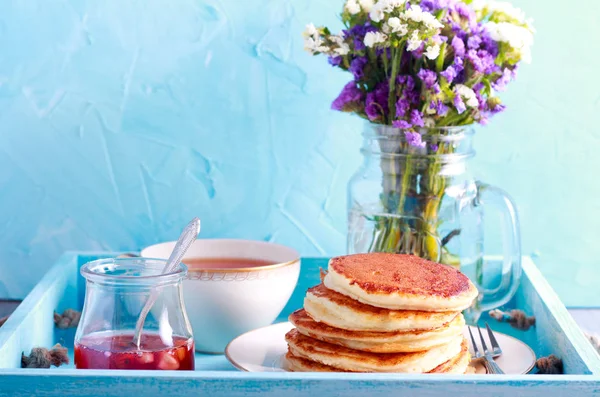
pixel 117 351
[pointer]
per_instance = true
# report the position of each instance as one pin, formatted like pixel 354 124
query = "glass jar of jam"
pixel 116 291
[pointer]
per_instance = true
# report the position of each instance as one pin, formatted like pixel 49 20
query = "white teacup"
pixel 223 303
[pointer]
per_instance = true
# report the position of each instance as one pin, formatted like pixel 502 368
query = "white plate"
pixel 262 350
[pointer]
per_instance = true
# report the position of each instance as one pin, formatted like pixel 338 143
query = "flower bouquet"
pixel 421 66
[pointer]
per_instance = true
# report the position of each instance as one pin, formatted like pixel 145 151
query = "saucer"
pixel 263 350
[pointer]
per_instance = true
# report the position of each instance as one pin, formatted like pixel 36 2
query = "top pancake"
pixel 400 282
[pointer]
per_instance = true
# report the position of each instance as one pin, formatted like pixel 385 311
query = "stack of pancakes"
pixel 382 313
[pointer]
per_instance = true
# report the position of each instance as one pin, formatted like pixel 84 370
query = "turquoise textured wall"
pixel 120 120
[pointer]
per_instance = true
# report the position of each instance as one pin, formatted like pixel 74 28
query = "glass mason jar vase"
pixel 424 201
pixel 116 291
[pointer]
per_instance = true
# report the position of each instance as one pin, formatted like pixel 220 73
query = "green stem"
pixel 346 63
pixel 404 183
pixel 396 57
pixel 385 66
pixel 439 65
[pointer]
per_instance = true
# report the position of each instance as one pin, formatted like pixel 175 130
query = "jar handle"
pixel 492 197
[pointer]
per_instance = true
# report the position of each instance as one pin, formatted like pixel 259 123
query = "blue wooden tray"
pixel 62 287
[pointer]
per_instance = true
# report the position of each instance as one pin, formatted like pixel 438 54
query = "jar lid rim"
pixel 129 271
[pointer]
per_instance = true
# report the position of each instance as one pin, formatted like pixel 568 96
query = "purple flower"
pixel 498 108
pixel 403 124
pixel 406 80
pixel 490 45
pixel 488 61
pixel 428 5
pixel 483 61
pixel 466 12
pixel 357 67
pixel 402 107
pixel 507 76
pixel 438 38
pixel 439 107
pixel 413 97
pixel 458 30
pixel 372 108
pixel 475 61
pixel 428 77
pixel 335 61
pixel 434 5
pixel 376 103
pixel 433 147
pixel 449 74
pixel 414 139
pixel 458 64
pixel 463 10
pixel 459 47
pixel 461 77
pixel 359 44
pixel 459 104
pixel 474 42
pixel 485 40
pixel 478 88
pixel 416 118
pixel 350 94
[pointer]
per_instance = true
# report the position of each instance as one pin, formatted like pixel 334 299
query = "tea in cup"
pixel 233 286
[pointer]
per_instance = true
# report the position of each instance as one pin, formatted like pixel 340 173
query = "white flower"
pixel 518 37
pixel 433 51
pixel 376 14
pixel 314 45
pixel 393 4
pixel 429 121
pixel 310 31
pixel 352 7
pixel 468 95
pixel 416 14
pixel 336 39
pixel 414 41
pixel 342 48
pixel 396 26
pixel 366 5
pixel 313 42
pixel 379 9
pixel 372 38
pixel 505 8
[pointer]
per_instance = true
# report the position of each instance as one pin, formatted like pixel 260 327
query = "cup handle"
pixel 491 197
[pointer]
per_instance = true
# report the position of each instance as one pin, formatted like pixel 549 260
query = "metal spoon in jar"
pixel 189 234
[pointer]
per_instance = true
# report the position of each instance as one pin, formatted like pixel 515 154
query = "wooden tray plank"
pixel 556 332
pixel 215 384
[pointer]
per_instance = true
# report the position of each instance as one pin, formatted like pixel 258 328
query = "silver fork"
pixel 488 359
pixel 496 351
